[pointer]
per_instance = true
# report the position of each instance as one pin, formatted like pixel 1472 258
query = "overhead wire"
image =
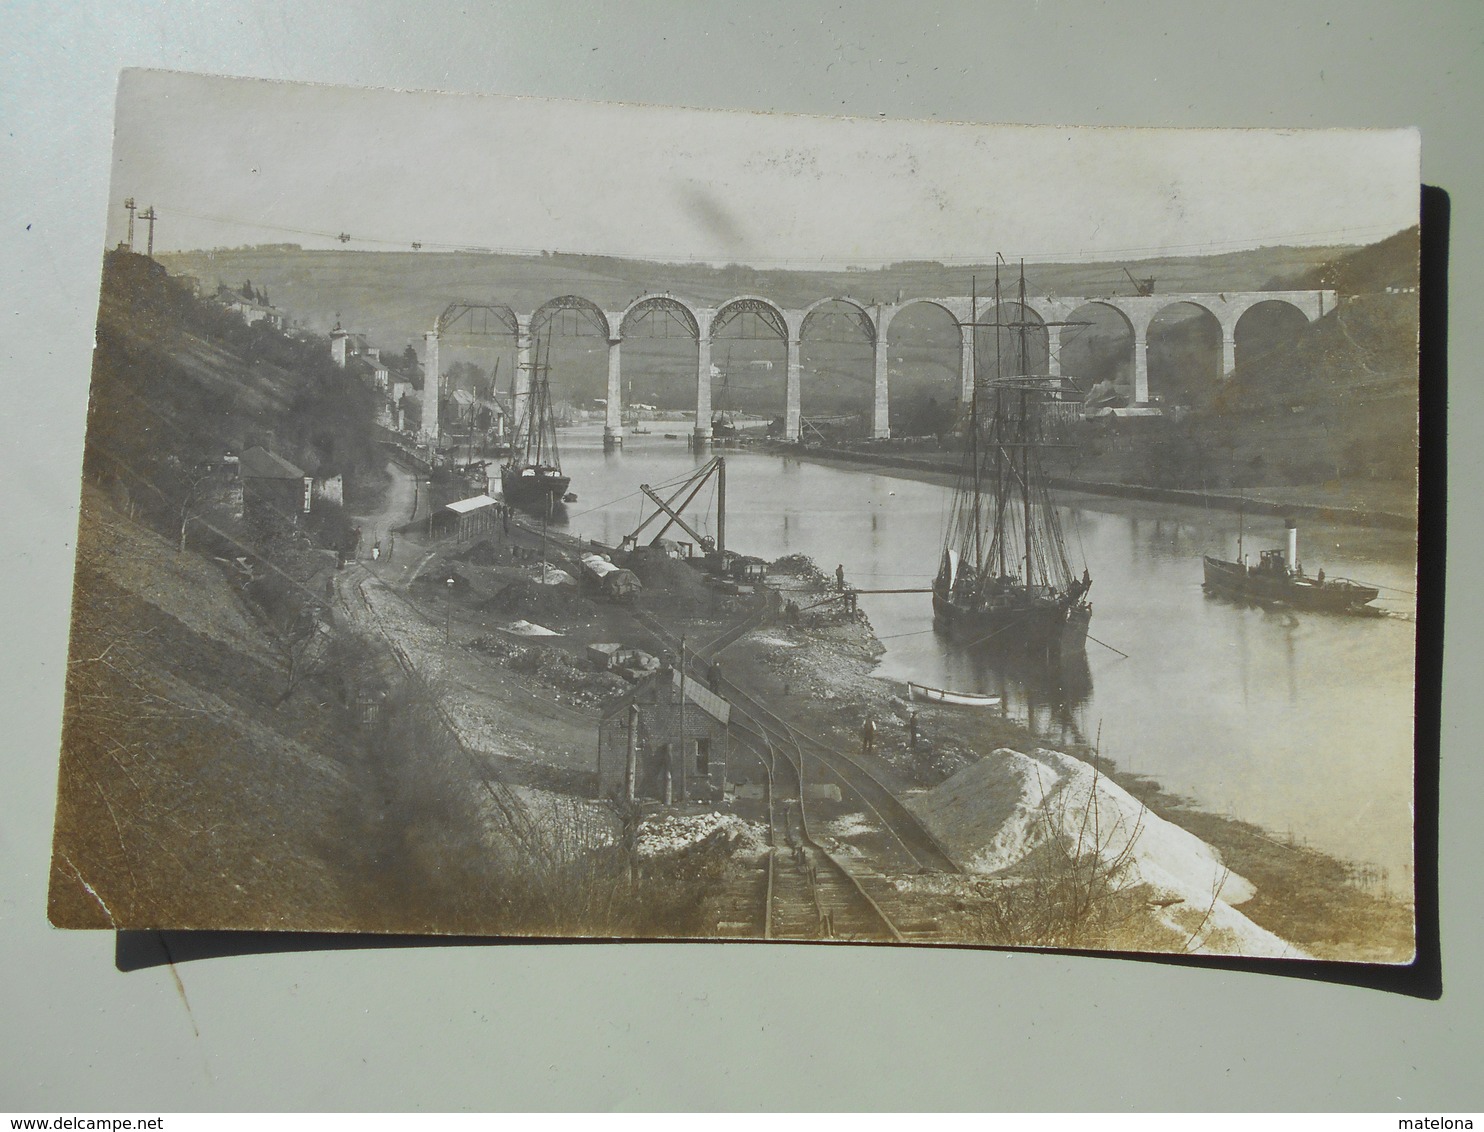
pixel 345 236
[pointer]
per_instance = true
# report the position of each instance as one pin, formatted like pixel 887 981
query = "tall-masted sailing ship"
pixel 1004 580
pixel 531 477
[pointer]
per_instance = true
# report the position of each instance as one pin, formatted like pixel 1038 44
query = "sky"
pixel 227 162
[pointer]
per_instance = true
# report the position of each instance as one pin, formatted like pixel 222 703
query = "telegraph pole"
pixel 129 204
pixel 149 215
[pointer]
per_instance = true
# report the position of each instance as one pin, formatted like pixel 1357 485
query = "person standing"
pixel 840 577
pixel 868 736
pixel 912 730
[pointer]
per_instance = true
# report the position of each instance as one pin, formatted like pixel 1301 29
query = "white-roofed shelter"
pixel 466 517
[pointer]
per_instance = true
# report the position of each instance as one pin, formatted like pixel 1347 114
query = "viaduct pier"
pixel 789 324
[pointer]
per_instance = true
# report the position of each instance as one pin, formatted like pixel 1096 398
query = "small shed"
pixel 271 485
pixel 622 585
pixel 747 570
pixel 610 580
pixel 666 741
pixel 601 654
pixel 465 517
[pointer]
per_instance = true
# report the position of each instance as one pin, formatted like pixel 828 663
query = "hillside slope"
pixel 189 795
pixel 399 294
pixel 1328 414
pixel 212 772
pixel 177 381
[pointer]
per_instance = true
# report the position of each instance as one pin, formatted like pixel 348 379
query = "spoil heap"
pixel 999 816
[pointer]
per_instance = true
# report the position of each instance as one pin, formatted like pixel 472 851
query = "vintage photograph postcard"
pixel 567 520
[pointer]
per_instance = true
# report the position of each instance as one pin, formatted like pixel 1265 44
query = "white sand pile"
pixel 851 825
pixel 525 628
pixel 775 641
pixel 671 833
pixel 993 814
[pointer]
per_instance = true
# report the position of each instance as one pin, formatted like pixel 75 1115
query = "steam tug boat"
pixel 1279 577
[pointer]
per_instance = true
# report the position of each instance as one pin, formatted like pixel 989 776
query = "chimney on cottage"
pixel 338 339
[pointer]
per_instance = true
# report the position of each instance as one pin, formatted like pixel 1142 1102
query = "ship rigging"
pixel 1004 579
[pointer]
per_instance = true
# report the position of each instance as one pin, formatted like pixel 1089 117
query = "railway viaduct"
pixel 789 324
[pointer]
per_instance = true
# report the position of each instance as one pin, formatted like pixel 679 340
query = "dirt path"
pixel 406 500
pixel 494 710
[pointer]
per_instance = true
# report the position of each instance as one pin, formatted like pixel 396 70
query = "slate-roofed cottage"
pixel 653 745
pixel 370 370
pixel 272 485
pixel 251 310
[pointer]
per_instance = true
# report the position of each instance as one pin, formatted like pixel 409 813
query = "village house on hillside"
pixel 345 346
pixel 250 308
pixel 372 370
pixel 272 486
pixel 397 377
pixel 661 745
pixel 470 415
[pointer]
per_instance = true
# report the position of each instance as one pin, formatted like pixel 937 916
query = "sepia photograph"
pixel 571 520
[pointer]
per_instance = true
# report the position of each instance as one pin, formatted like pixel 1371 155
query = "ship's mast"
pixel 977 536
pixel 515 438
pixel 533 402
pixel 539 419
pixel 1025 436
pixel 998 426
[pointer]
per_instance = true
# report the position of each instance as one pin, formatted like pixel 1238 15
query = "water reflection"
pixel 1048 695
pixel 1292 721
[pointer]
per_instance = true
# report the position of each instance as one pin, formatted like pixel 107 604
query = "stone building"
pixel 654 745
pixel 272 486
pixel 251 310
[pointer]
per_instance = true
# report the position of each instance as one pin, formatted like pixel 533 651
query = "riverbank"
pixel 819 673
pixel 818 670
pixel 1283 502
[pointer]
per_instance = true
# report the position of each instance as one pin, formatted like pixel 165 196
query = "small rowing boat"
pixel 926 694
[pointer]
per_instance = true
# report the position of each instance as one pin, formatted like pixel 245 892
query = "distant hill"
pixel 1394 262
pixel 1340 402
pixel 394 297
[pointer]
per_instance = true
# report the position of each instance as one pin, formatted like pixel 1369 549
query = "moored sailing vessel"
pixel 1004 580
pixel 531 477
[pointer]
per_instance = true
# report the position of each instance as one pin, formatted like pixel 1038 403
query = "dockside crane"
pixel 689 488
pixel 1142 287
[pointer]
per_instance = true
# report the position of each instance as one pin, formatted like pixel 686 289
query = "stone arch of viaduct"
pixel 874 320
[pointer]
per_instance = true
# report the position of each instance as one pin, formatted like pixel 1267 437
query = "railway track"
pixel 802 891
pixel 818 760
pixel 809 892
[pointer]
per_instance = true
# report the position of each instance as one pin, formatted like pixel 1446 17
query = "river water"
pixel 1301 723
